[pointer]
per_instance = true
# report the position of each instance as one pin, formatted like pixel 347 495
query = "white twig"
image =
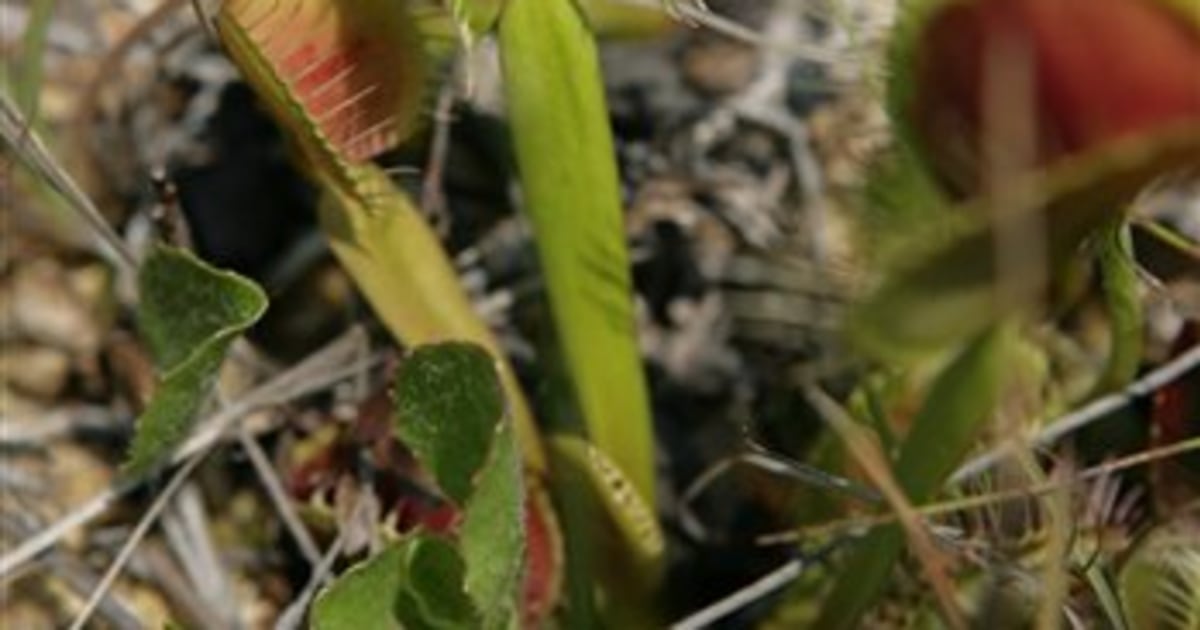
pixel 50 536
pixel 275 490
pixel 756 590
pixel 186 524
pixel 143 527
pixel 294 614
pixel 1097 409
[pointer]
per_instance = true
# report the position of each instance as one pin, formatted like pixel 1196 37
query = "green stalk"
pixel 564 152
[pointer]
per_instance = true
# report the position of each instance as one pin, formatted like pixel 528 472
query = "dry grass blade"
pixel 293 616
pixel 870 456
pixel 27 145
pixel 279 498
pixel 773 464
pixel 187 527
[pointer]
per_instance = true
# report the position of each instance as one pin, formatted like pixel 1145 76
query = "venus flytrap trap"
pixel 1099 138
pixel 1160 581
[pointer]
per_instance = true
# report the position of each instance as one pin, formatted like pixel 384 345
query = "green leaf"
pixel 434 596
pixel 448 403
pixel 564 153
pixel 364 597
pixel 493 532
pixel 416 583
pixel 189 314
pixel 449 411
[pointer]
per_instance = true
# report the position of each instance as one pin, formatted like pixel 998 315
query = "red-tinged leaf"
pixel 542 584
pixel 352 71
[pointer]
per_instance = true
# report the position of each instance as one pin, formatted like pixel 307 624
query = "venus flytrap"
pixel 1113 104
pixel 347 80
pixel 1098 139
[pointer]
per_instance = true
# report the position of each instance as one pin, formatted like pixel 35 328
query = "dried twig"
pixel 143 527
pixel 279 498
pixel 764 586
pixel 756 590
pixel 874 463
pixel 293 616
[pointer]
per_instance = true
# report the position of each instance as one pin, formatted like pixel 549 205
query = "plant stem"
pixel 397 261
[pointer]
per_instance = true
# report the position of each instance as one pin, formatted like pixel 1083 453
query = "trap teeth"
pixel 349 73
